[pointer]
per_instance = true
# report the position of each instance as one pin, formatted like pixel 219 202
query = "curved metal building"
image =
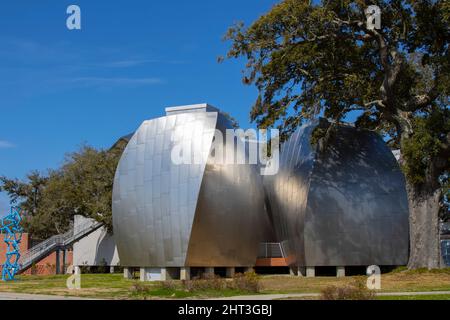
pixel 204 213
pixel 346 206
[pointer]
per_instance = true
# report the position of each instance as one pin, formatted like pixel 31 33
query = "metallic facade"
pixel 173 215
pixel 346 206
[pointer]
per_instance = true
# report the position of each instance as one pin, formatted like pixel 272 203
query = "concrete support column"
pixel 230 271
pixel 185 273
pixel 111 269
pixel 310 272
pixel 164 276
pixel 152 274
pixel 340 272
pixel 127 273
pixel 58 262
pixel 301 271
pixel 64 262
pixel 77 270
pixel 209 271
pixel 143 275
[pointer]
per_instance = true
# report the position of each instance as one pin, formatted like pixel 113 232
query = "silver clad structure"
pixel 345 206
pixel 204 214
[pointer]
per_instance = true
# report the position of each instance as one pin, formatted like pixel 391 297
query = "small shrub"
pixel 248 282
pixel 204 283
pixel 51 268
pixel 168 285
pixel 355 291
pixel 138 288
pixel 187 285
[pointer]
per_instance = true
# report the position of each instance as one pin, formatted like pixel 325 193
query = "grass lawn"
pixel 114 286
pixel 400 281
pixel 93 285
pixel 106 286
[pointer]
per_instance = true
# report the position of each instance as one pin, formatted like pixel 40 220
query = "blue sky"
pixel 61 88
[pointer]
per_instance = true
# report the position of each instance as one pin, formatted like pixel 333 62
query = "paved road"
pixel 28 296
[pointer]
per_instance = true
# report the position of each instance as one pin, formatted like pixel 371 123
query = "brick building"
pixel 45 266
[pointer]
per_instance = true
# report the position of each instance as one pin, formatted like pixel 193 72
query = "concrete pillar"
pixel 127 273
pixel 58 262
pixel 230 272
pixel 77 270
pixel 209 271
pixel 111 269
pixel 310 272
pixel 301 271
pixel 63 271
pixel 340 272
pixel 152 274
pixel 143 275
pixel 163 274
pixel 185 273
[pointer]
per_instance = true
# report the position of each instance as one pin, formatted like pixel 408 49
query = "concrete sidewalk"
pixel 29 296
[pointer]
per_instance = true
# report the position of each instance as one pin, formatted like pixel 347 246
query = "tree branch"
pixel 377 102
pixel 422 100
pixel 391 70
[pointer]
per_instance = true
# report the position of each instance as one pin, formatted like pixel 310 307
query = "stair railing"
pixel 60 240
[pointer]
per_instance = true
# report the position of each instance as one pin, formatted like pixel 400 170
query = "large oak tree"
pixel 81 186
pixel 309 58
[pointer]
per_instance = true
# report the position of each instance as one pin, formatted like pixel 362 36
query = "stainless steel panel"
pixel 347 206
pixel 190 214
pixel 230 219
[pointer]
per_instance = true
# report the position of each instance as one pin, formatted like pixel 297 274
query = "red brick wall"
pixel 3 248
pixel 46 266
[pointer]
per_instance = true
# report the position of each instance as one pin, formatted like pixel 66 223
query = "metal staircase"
pixel 60 241
pixel 273 250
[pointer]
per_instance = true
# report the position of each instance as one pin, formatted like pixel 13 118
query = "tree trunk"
pixel 424 228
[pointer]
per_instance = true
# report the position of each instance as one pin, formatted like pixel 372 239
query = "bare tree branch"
pixel 376 102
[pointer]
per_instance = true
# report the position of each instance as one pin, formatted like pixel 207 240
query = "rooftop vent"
pixel 204 107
